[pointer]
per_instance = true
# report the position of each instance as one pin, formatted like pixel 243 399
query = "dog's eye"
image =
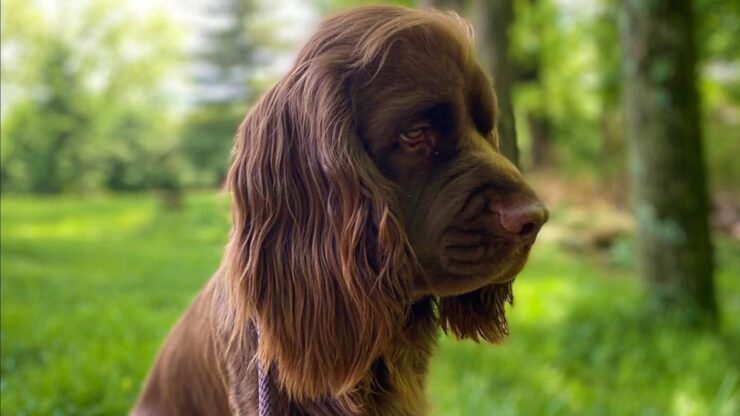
pixel 419 133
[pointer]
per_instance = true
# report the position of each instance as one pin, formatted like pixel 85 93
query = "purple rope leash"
pixel 263 386
pixel 264 392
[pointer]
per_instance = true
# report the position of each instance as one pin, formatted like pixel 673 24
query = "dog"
pixel 371 208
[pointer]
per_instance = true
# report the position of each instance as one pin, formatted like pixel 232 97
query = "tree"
pixel 85 97
pixel 226 58
pixel 533 43
pixel 234 43
pixel 666 156
pixel 493 20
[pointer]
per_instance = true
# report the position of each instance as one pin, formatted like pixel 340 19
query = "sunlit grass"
pixel 582 344
pixel 85 307
pixel 90 288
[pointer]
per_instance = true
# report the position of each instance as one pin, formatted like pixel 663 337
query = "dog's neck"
pixel 396 381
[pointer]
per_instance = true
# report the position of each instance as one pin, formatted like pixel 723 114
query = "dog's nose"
pixel 523 219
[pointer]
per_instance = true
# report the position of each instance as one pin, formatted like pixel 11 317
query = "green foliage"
pixel 723 146
pixel 87 105
pixel 87 101
pixel 234 51
pixel 559 64
pixel 91 287
pixel 328 6
pixel 232 47
pixel 574 49
pixel 208 136
pixel 718 31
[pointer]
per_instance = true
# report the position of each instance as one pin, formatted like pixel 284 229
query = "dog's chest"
pixel 397 379
pixel 398 385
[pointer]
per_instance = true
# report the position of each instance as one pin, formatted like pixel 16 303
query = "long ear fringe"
pixel 477 315
pixel 317 257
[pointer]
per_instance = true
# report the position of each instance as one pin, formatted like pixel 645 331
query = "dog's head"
pixel 367 178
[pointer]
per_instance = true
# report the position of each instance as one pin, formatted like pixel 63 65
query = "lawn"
pixel 91 286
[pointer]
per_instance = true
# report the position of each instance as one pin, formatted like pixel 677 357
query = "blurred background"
pixel 117 122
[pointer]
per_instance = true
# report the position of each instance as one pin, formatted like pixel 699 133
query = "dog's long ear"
pixel 317 256
pixel 477 315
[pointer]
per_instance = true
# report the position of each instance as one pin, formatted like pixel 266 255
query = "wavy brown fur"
pixel 477 315
pixel 319 258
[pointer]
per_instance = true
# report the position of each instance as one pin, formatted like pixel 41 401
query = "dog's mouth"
pixel 487 241
pixel 467 252
pixel 468 259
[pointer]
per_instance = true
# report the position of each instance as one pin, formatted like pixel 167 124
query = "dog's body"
pixel 193 377
pixel 371 208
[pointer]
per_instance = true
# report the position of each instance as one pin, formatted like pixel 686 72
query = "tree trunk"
pixel 540 133
pixel 538 120
pixel 611 161
pixel 666 160
pixel 492 20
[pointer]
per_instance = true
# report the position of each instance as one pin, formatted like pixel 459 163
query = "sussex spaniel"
pixel 371 207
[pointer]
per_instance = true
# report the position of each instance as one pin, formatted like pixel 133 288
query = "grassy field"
pixel 90 288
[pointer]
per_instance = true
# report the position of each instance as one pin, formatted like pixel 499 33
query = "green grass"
pixel 90 288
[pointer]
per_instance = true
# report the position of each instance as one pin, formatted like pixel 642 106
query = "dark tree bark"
pixel 666 157
pixel 492 20
pixel 538 120
pixel 540 133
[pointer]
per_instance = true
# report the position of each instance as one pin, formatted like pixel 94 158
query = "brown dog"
pixel 371 207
